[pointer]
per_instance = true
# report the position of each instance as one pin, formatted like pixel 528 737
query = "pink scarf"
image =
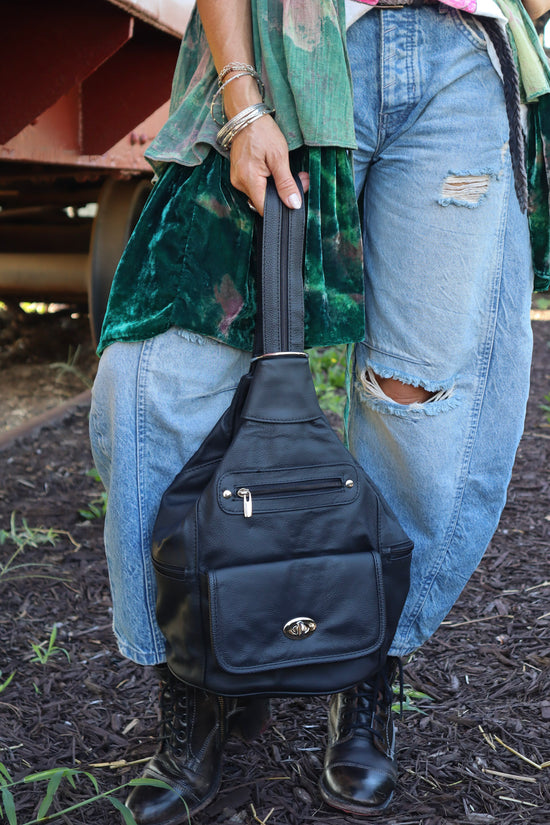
pixel 463 5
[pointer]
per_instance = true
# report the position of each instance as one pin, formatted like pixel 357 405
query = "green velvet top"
pixel 191 259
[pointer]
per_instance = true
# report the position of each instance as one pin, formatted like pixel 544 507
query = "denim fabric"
pixel 448 284
pixel 153 403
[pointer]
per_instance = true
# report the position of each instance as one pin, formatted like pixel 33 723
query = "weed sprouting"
pixel 70 367
pixel 25 537
pixel 43 651
pixel 6 682
pixel 97 507
pixel 411 694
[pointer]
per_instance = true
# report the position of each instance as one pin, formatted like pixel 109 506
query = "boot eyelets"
pixel 356 738
pixel 194 728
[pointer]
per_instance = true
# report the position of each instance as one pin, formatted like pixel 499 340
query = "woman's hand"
pixel 258 151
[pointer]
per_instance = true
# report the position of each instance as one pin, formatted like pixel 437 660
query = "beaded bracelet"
pixel 241 120
pixel 236 67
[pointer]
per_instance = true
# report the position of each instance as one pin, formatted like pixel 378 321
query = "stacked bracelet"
pixel 241 120
pixel 221 87
pixel 237 67
pixel 242 70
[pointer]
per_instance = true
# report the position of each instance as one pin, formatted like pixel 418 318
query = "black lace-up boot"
pixel 360 772
pixel 194 728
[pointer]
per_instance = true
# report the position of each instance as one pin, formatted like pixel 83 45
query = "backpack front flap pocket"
pixel 291 613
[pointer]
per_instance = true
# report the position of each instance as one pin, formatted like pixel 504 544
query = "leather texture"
pixel 189 759
pixel 195 726
pixel 280 292
pixel 280 568
pixel 360 769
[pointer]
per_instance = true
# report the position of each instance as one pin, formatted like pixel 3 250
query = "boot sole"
pixel 349 807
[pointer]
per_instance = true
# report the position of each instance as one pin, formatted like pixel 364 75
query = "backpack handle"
pixel 280 286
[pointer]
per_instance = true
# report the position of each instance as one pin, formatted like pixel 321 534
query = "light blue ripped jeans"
pixel 448 286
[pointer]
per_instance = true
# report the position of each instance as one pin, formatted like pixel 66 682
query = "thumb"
pixel 287 188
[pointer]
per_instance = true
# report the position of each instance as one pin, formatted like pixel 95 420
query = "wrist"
pixel 240 93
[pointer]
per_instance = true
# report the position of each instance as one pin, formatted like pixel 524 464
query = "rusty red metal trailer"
pixel 84 88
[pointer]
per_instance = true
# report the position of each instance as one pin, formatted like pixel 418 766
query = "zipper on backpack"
pixel 246 496
pixel 290 488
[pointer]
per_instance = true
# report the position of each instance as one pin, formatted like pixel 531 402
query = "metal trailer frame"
pixel 84 88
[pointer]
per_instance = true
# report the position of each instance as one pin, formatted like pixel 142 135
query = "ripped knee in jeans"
pixel 398 396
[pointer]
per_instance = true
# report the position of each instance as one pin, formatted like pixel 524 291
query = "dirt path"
pixel 473 755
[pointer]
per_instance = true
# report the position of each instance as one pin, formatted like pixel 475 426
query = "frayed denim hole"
pixel 405 378
pixel 464 189
pixel 441 400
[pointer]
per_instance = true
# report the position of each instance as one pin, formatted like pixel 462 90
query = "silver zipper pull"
pixel 246 496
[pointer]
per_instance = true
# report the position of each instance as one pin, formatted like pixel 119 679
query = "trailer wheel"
pixel 119 207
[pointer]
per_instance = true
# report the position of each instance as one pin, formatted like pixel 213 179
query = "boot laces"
pixel 173 710
pixel 370 705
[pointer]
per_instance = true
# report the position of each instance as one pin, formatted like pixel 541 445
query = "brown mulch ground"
pixel 477 752
pixel 44 360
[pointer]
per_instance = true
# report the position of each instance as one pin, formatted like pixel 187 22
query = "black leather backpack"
pixel 280 567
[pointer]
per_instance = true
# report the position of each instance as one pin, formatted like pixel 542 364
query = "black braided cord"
pixel 512 100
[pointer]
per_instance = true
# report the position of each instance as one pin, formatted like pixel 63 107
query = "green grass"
pixel 328 367
pixel 97 507
pixel 44 651
pixel 69 367
pixel 54 779
pixel 6 682
pixel 23 537
pixel 541 301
